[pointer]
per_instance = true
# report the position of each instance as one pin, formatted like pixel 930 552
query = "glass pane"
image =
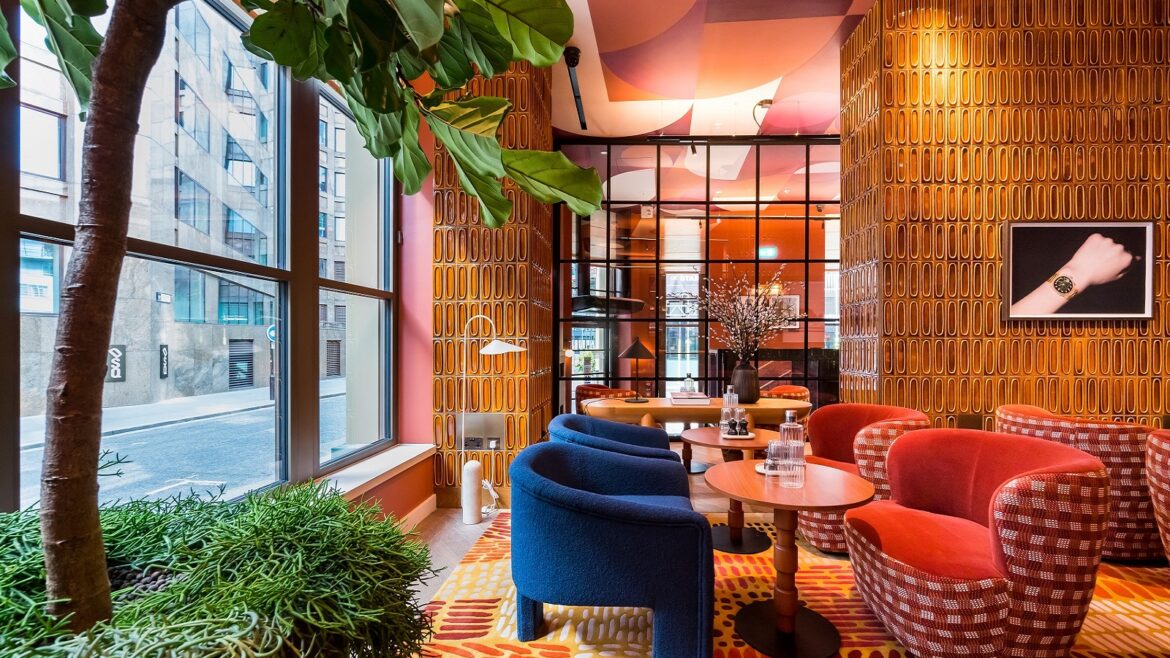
pixel 782 239
pixel 205 142
pixel 351 225
pixel 684 172
pixel 733 232
pixel 824 171
pixel 681 230
pixel 733 173
pixel 824 290
pixel 632 173
pixel 190 382
pixel 583 237
pixel 354 385
pixel 634 232
pixel 782 173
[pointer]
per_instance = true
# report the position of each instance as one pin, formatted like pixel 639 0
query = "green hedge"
pixel 294 571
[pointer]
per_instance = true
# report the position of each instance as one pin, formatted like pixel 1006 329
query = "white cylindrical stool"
pixel 471 496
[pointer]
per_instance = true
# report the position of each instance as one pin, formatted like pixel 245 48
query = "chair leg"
pixel 529 618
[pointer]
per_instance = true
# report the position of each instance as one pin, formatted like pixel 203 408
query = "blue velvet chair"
pixel 615 437
pixel 595 528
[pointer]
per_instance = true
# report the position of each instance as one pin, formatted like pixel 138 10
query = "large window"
pixel 677 217
pixel 200 397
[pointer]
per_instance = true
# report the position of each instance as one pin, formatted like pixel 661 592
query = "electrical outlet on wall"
pixel 473 443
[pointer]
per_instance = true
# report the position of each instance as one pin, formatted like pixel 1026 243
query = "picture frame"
pixel 1078 270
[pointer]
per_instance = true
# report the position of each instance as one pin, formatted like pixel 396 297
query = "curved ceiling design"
pixel 698 67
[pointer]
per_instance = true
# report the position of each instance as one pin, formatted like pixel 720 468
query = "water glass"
pixel 791 464
pixel 774 458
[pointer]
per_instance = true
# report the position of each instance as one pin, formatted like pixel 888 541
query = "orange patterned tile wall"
pixel 505 274
pixel 959 116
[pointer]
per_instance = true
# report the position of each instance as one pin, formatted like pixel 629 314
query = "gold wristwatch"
pixel 1064 285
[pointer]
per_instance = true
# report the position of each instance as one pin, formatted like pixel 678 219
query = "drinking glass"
pixel 774 458
pixel 791 464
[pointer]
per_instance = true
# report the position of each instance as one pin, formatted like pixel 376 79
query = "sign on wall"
pixel 116 363
pixel 164 361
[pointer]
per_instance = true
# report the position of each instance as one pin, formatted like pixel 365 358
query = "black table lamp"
pixel 637 351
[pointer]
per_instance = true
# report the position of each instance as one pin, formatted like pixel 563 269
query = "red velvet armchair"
pixel 1158 474
pixel 988 547
pixel 1133 533
pixel 853 438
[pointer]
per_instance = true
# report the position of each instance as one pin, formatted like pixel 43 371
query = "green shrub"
pixel 293 571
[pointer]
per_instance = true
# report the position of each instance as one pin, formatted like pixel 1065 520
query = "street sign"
pixel 116 363
pixel 164 361
pixel 272 333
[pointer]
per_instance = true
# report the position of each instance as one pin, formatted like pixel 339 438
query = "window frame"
pixel 294 127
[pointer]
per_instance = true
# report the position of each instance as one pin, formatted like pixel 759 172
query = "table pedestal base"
pixel 814 637
pixel 753 540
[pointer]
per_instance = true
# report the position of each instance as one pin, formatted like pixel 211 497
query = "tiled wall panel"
pixel 505 274
pixel 958 117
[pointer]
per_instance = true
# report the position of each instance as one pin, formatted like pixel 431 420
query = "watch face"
pixel 1063 284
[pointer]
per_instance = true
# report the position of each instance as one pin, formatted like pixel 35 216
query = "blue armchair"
pixel 614 437
pixel 595 528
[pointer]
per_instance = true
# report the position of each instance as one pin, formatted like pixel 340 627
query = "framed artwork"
pixel 1079 271
pixel 792 302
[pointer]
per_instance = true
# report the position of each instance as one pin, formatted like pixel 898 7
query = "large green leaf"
pixel 294 38
pixel 538 29
pixel 422 20
pixel 376 31
pixel 482 42
pixel 382 131
pixel 451 69
pixel 73 39
pixel 411 166
pixel 468 129
pixel 89 7
pixel 494 207
pixel 380 89
pixel 550 176
pixel 340 60
pixel 8 54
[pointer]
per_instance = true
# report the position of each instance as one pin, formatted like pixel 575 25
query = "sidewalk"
pixel 118 420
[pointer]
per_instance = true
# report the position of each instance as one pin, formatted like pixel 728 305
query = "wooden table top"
pixel 766 411
pixel 824 489
pixel 709 436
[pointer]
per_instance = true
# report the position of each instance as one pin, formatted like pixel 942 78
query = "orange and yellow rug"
pixel 474 611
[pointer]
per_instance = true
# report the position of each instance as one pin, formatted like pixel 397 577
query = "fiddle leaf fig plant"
pixel 398 63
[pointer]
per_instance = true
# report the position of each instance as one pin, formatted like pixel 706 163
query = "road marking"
pixel 187 481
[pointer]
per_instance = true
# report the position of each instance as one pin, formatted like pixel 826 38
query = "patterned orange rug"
pixel 474 610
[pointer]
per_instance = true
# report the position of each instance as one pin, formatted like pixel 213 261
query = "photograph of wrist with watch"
pixel 1079 270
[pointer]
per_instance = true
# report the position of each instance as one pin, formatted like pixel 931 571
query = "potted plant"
pixel 399 63
pixel 748 316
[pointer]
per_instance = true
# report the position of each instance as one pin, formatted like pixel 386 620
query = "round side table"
pixel 732 538
pixel 782 626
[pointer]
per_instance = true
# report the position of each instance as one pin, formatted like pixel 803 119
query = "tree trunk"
pixel 75 559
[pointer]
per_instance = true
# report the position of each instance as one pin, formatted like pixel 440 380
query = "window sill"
pixel 361 477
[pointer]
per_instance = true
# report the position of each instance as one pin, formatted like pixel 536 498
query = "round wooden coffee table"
pixel 732 538
pixel 782 626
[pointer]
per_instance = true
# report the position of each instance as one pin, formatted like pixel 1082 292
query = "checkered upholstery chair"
pixel 988 547
pixel 787 392
pixel 852 438
pixel 1158 473
pixel 594 391
pixel 1133 533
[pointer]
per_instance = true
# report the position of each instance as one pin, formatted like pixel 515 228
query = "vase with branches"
pixel 748 316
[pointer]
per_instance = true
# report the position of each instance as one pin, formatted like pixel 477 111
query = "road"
pixel 237 450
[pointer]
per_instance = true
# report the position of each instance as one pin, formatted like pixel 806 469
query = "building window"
pixel 339 229
pixel 339 270
pixel 39 277
pixel 192 115
pixel 323 225
pixel 339 183
pixel 46 131
pixel 323 179
pixel 322 267
pixel 194 30
pixel 261 127
pixel 244 237
pixel 323 312
pixel 240 304
pixel 339 314
pixel 192 203
pixel 190 295
pixel 339 139
pixel 323 132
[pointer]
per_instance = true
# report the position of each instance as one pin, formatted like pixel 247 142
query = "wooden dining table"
pixel 781 626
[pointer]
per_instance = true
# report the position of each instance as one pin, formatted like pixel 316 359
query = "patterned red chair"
pixel 989 546
pixel 1133 533
pixel 1158 473
pixel 594 391
pixel 787 392
pixel 853 438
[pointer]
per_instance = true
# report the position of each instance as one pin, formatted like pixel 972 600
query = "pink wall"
pixel 402 493
pixel 417 300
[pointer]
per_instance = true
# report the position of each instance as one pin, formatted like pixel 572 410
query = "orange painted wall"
pixel 415 319
pixel 399 495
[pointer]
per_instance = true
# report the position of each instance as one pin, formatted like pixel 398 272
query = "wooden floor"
pixel 450 539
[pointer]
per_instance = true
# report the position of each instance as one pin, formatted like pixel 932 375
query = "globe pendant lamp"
pixel 637 351
pixel 471 495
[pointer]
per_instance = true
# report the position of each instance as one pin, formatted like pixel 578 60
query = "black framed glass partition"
pixel 678 214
